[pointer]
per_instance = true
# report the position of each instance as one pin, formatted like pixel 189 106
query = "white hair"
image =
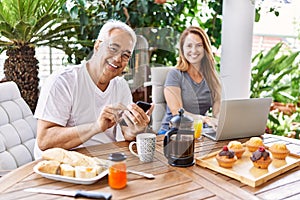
pixel 115 24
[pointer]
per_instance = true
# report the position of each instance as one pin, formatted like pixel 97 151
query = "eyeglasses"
pixel 115 49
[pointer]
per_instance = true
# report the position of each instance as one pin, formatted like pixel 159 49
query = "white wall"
pixel 286 24
pixel 237 33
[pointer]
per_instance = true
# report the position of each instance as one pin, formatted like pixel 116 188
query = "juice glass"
pixel 198 125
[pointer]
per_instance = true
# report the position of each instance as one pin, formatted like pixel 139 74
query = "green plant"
pixel 281 124
pixel 161 24
pixel 25 24
pixel 276 74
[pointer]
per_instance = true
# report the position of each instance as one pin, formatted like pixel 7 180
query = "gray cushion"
pixel 158 77
pixel 17 128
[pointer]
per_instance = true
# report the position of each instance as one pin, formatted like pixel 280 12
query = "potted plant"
pixel 24 25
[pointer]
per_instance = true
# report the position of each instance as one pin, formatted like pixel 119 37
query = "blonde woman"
pixel 194 84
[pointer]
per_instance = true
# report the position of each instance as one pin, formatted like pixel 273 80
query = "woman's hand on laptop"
pixel 212 122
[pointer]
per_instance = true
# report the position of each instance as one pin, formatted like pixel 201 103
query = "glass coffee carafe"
pixel 179 141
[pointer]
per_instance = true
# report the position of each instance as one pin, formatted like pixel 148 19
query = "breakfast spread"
pixel 279 151
pixel 70 164
pixel 261 158
pixel 226 158
pixel 237 147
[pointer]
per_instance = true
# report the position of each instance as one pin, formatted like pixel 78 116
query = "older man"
pixel 82 105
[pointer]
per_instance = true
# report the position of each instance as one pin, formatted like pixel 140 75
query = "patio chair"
pixel 17 129
pixel 139 70
pixel 158 77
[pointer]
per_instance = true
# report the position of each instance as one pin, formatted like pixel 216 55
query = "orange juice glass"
pixel 198 125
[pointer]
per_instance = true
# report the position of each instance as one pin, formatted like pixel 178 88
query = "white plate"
pixel 85 181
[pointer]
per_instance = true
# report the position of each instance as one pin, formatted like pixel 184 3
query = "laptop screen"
pixel 241 118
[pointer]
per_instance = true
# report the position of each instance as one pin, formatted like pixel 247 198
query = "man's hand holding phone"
pixel 144 105
pixel 135 116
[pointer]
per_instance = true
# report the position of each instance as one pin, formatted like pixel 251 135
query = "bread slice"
pixel 72 158
pixel 48 166
pixel 85 172
pixel 78 159
pixel 54 154
pixel 67 170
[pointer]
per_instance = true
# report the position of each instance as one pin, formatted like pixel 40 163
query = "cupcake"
pixel 261 158
pixel 254 143
pixel 226 158
pixel 237 147
pixel 279 151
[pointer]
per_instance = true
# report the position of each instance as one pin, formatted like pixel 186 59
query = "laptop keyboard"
pixel 209 132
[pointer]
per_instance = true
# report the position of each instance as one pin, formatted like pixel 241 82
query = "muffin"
pixel 226 158
pixel 237 147
pixel 279 151
pixel 254 143
pixel 261 158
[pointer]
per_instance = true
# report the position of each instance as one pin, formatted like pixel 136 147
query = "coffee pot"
pixel 179 141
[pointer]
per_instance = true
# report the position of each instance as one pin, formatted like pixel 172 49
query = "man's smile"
pixel 114 66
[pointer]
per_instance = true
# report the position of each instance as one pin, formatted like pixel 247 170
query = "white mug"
pixel 145 143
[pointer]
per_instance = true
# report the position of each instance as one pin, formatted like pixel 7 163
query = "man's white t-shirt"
pixel 70 98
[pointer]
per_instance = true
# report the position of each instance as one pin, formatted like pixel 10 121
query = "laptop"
pixel 240 118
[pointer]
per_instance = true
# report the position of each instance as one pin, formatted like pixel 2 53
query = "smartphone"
pixel 144 105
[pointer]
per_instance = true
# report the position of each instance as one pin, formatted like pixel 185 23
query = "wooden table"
pixel 170 183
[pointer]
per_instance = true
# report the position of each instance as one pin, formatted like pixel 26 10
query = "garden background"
pixel 31 27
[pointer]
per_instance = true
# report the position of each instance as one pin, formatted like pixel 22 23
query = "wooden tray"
pixel 244 171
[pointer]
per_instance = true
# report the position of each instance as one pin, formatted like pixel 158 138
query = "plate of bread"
pixel 71 166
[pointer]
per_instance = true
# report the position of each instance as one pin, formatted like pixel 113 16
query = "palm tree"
pixel 24 25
